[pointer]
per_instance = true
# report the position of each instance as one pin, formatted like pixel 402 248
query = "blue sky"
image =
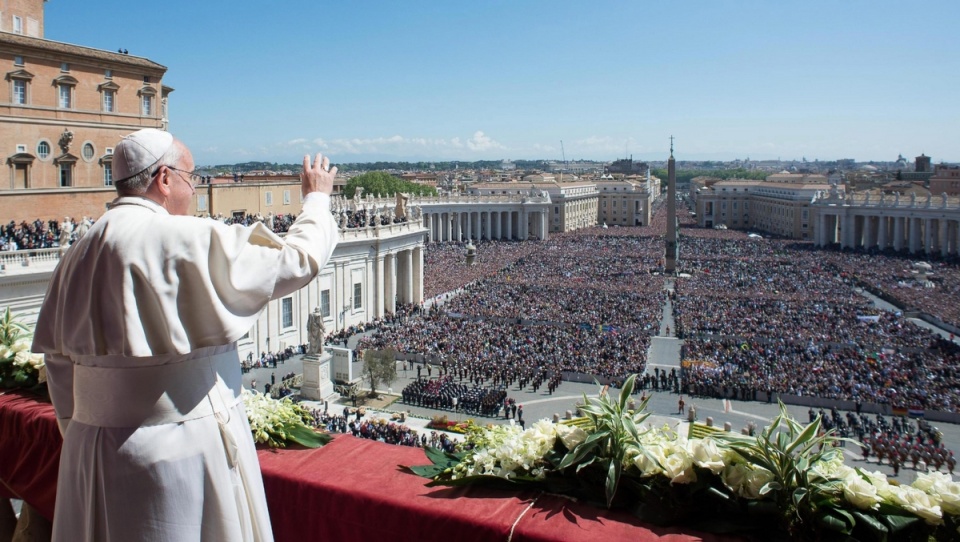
pixel 415 80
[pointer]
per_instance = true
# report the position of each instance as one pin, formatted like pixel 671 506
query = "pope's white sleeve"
pixel 308 245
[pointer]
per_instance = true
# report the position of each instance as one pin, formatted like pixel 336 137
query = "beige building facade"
pixel 779 205
pixel 63 107
pixel 625 201
pixel 574 203
pixel 946 180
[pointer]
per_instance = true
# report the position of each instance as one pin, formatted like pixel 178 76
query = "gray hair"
pixel 139 183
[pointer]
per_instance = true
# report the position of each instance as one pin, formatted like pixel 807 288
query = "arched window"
pixel 43 150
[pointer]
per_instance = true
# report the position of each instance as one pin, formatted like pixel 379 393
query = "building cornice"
pixel 4 119
pixel 76 53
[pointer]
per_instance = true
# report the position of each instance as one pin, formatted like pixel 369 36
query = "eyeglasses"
pixel 191 178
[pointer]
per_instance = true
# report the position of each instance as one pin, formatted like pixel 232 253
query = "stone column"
pixel 942 238
pixel 469 225
pixel 859 223
pixel 882 232
pixel 956 237
pixel 418 275
pixel 822 230
pixel 847 237
pixel 488 226
pixel 381 282
pixel 524 225
pixel 898 234
pixel 391 283
pixel 509 225
pixel 870 226
pixel 915 239
pixel 495 222
pixel 408 277
pixel 928 236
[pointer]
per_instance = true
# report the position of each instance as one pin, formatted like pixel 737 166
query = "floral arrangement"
pixel 442 423
pixel 19 368
pixel 278 422
pixel 787 483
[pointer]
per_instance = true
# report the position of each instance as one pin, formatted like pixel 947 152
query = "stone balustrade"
pixel 24 258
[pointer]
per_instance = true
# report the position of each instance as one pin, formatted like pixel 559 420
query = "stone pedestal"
pixel 317 385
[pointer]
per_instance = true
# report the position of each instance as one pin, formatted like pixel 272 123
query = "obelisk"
pixel 670 257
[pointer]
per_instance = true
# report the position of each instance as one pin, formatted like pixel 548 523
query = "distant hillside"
pixel 245 167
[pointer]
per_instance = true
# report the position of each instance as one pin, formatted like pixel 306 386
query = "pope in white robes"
pixel 139 330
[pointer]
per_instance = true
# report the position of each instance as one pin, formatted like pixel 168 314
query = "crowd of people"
pixel 774 316
pixel 900 278
pixel 41 234
pixel 29 235
pixel 447 269
pixel 271 359
pixel 362 218
pixel 281 222
pixel 447 394
pixel 528 312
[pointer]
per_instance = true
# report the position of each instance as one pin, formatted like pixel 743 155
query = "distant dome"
pixel 868 167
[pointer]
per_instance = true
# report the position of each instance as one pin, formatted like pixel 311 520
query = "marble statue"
pixel 84 226
pixel 400 211
pixel 315 332
pixel 66 232
pixel 66 139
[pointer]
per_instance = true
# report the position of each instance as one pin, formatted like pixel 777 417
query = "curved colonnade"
pixel 920 226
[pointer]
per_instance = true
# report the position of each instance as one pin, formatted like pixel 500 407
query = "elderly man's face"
pixel 182 190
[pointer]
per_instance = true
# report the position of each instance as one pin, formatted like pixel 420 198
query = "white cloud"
pixel 482 142
pixel 478 145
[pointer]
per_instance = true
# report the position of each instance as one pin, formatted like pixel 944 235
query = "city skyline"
pixel 861 80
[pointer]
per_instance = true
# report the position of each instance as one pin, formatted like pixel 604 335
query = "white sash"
pixel 182 390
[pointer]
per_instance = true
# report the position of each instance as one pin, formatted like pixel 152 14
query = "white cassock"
pixel 139 327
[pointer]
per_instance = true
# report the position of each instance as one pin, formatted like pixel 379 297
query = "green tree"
pixel 379 182
pixel 379 368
